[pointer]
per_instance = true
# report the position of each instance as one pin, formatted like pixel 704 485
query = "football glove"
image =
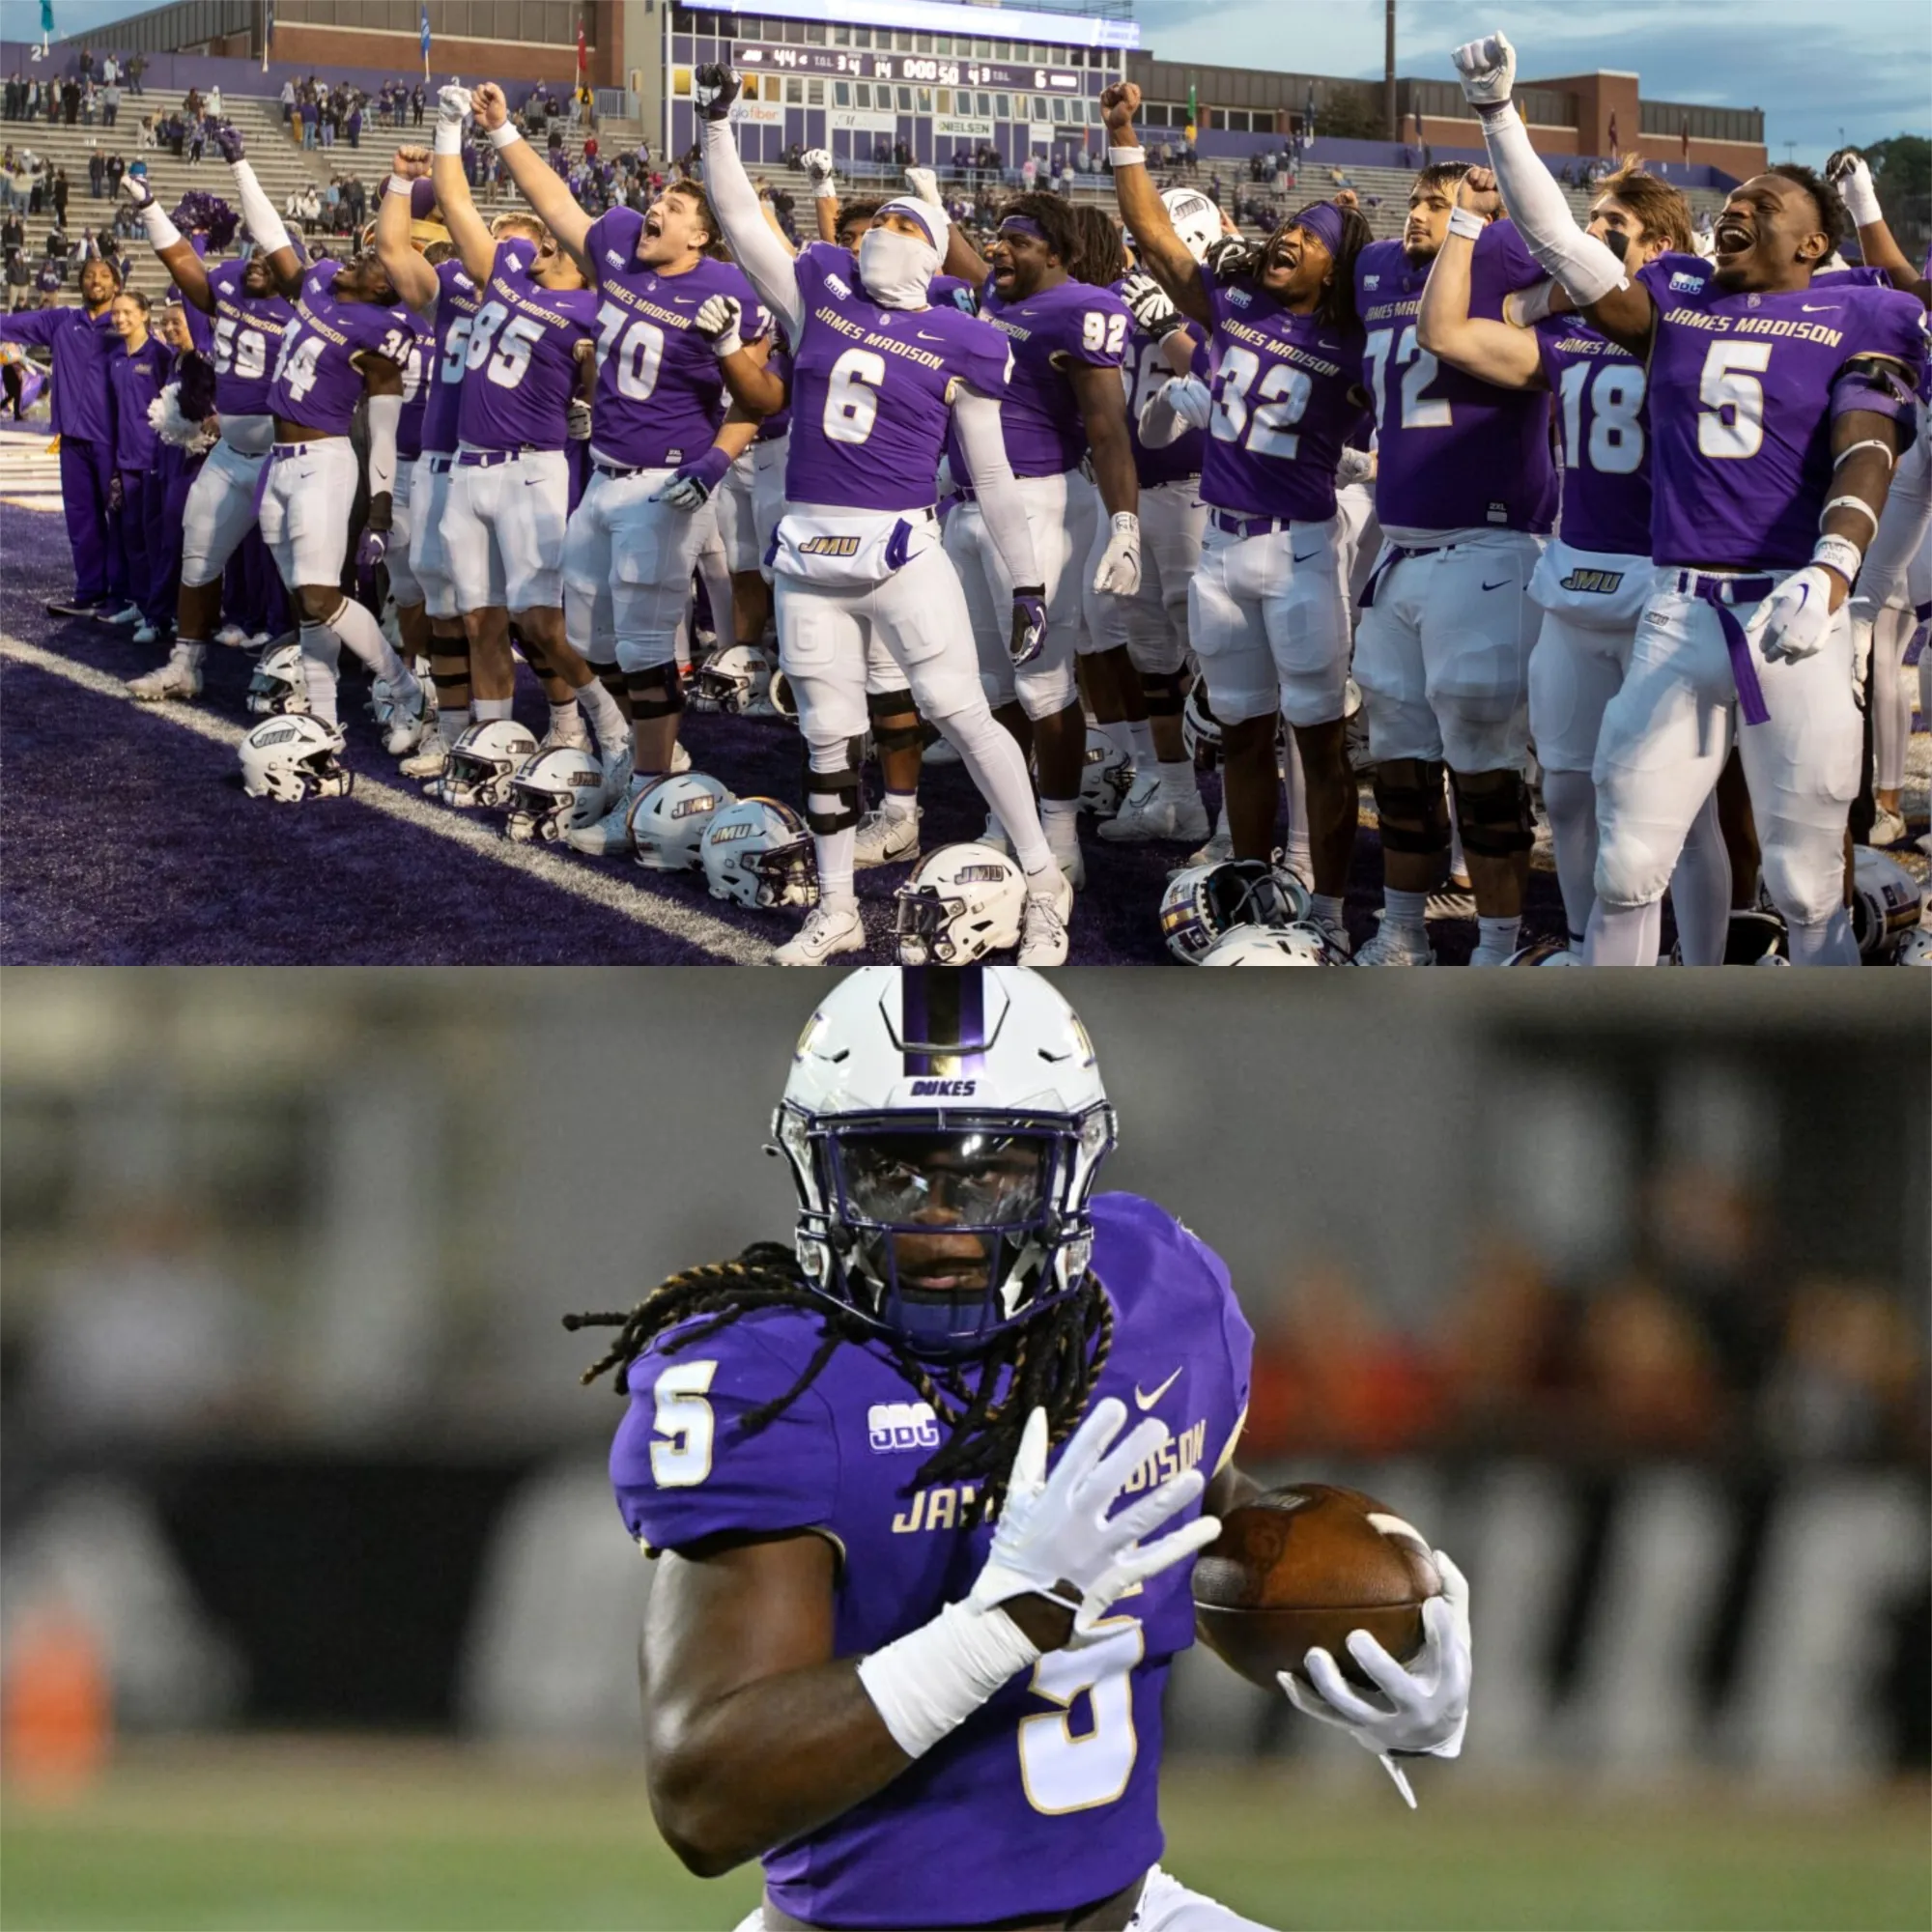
pixel 1054 1534
pixel 1792 621
pixel 370 548
pixel 691 485
pixel 1118 574
pixel 228 138
pixel 1487 69
pixel 1150 306
pixel 1029 634
pixel 818 171
pixel 1231 257
pixel 1191 400
pixel 712 89
pixel 578 420
pixel 136 188
pixel 1426 1707
pixel 1848 172
pixel 452 107
pixel 925 183
pixel 719 321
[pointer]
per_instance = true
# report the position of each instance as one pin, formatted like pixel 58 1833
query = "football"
pixel 1304 1565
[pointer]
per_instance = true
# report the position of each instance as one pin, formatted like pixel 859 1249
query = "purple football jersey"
pixel 949 292
pixel 246 340
pixel 415 396
pixel 133 381
pixel 1075 322
pixel 1741 407
pixel 1453 452
pixel 458 299
pixel 1282 406
pixel 659 396
pixel 872 390
pixel 1071 1806
pixel 1145 371
pixel 1600 416
pixel 521 360
pixel 779 423
pixel 317 382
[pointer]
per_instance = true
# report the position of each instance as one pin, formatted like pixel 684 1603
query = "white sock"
pixel 451 722
pixel 1060 820
pixel 1177 780
pixel 1403 914
pixel 1118 735
pixel 1325 908
pixel 321 650
pixel 834 850
pixel 1571 799
pixel 900 805
pixel 1700 889
pixel 565 717
pixel 606 719
pixel 1624 935
pixel 363 636
pixel 1830 943
pixel 484 709
pixel 998 767
pixel 1140 743
pixel 188 653
pixel 1498 937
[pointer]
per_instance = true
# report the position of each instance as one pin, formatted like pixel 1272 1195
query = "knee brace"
pixel 656 690
pixel 1165 690
pixel 1494 812
pixel 880 705
pixel 832 796
pixel 1414 814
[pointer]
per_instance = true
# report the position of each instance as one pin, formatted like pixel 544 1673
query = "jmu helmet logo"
pixel 893 1427
pixel 952 1089
pixel 686 807
pixel 1598 583
pixel 726 835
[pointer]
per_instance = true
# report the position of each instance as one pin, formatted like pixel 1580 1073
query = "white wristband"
pixel 825 191
pixel 1839 553
pixel 449 137
pixel 1857 503
pixel 1869 442
pixel 397 184
pixel 505 136
pixel 161 232
pixel 1126 158
pixel 1466 222
pixel 927 1683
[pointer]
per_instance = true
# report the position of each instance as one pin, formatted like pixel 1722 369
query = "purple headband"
pixel 1322 218
pixel 1023 224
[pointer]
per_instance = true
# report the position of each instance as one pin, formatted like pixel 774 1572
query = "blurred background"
pixel 315 1610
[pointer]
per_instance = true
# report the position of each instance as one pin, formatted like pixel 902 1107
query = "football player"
pixel 1592 581
pixel 879 378
pixel 1779 409
pixel 662 443
pixel 348 337
pixel 249 316
pixel 1064 404
pixel 877 1470
pixel 1268 609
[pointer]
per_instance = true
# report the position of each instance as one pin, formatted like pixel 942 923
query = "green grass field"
pixel 298 1835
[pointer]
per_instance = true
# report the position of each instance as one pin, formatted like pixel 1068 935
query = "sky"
pixel 1868 72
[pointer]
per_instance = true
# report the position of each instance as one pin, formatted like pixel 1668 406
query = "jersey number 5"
pixel 1062 1771
pixel 1725 389
pixel 685 1420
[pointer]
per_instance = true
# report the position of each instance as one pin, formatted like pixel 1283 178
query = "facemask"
pixel 897 270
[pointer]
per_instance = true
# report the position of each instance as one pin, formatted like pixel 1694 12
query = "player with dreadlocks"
pixel 875 1603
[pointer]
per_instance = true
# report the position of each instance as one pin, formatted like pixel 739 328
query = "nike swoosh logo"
pixel 1309 559
pixel 1497 584
pixel 1147 1402
pixel 924 338
pixel 1819 308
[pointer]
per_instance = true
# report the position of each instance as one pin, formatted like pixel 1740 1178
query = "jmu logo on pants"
pixel 1603 583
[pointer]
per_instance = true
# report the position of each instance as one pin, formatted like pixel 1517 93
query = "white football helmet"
pixel 1300 943
pixel 483 761
pixel 670 818
pixel 1202 903
pixel 738 680
pixel 1195 218
pixel 277 684
pixel 1544 953
pixel 961 903
pixel 1914 949
pixel 1107 777
pixel 984 1067
pixel 784 699
pixel 554 793
pixel 293 758
pixel 757 852
pixel 1200 729
pixel 1885 903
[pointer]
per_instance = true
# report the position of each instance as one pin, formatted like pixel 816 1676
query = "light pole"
pixel 1392 130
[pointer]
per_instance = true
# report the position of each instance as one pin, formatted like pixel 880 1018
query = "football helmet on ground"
pixel 670 818
pixel 277 684
pixel 757 852
pixel 554 793
pixel 295 757
pixel 1885 903
pixel 1300 943
pixel 1107 777
pixel 960 903
pixel 737 680
pixel 1202 903
pixel 483 761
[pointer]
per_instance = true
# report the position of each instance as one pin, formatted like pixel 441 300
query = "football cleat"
pixel 482 763
pixel 887 839
pixel 1044 920
pixel 757 852
pixel 963 902
pixel 554 793
pixel 1386 949
pixel 1888 828
pixel 429 760
pixel 1545 953
pixel 293 758
pixel 231 635
pixel 403 716
pixel 179 678
pixel 1152 814
pixel 826 931
pixel 127 615
pixel 575 736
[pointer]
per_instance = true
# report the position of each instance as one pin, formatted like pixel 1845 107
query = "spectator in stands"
pixel 71 102
pixel 110 103
pixel 144 136
pixel 193 107
pixel 110 68
pixel 13 232
pixel 136 68
pixel 60 192
pixel 14 98
pixel 416 105
pixel 1215 188
pixel 55 248
pixel 17 280
pixel 96 173
pixel 197 142
pixel 352 126
pixel 213 109
pixel 311 120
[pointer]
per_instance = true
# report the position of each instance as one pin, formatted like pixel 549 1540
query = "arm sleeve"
pixel 983 443
pixel 1581 263
pixel 385 415
pixel 760 252
pixel 1159 425
pixel 258 211
pixel 1906 525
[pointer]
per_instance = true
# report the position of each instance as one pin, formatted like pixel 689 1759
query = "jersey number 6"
pixel 1062 1771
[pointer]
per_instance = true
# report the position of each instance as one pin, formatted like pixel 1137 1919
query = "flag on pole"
pixel 1193 114
pixel 582 68
pixel 46 24
pixel 425 40
pixel 1683 137
pixel 267 32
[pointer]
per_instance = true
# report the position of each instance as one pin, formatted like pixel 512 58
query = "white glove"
pixel 1428 1703
pixel 1864 618
pixel 452 105
pixel 1853 179
pixel 1054 1531
pixel 578 417
pixel 1150 306
pixel 136 188
pixel 718 321
pixel 1356 465
pixel 1119 572
pixel 819 170
pixel 925 183
pixel 1792 621
pixel 1487 67
pixel 1191 400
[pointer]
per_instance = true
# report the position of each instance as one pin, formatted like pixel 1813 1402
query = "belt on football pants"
pixel 620 470
pixel 1720 593
pixel 1230 525
pixel 1396 554
pixel 489 459
pixel 440 465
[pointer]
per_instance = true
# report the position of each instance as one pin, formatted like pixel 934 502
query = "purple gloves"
pixel 228 138
pixel 1029 623
pixel 694 483
pixel 370 551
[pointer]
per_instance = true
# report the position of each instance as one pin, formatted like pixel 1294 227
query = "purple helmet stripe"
pixel 943 1016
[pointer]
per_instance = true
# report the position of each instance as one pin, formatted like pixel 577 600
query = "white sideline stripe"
pixel 640 908
pixel 42 503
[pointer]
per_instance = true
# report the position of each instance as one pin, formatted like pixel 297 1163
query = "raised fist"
pixel 1150 306
pixel 1488 71
pixel 718 321
pixel 1477 193
pixel 411 163
pixel 818 165
pixel 228 138
pixel 712 89
pixel 1231 257
pixel 136 188
pixel 452 105
pixel 925 183
pixel 1848 172
pixel 1119 105
pixel 490 105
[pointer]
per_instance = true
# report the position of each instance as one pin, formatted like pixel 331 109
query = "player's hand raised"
pixel 490 105
pixel 1477 191
pixel 228 138
pixel 1054 1536
pixel 819 169
pixel 1848 171
pixel 1119 105
pixel 925 183
pixel 1029 633
pixel 1488 71
pixel 136 188
pixel 719 321
pixel 452 105
pixel 1150 306
pixel 1233 257
pixel 713 87
pixel 410 164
